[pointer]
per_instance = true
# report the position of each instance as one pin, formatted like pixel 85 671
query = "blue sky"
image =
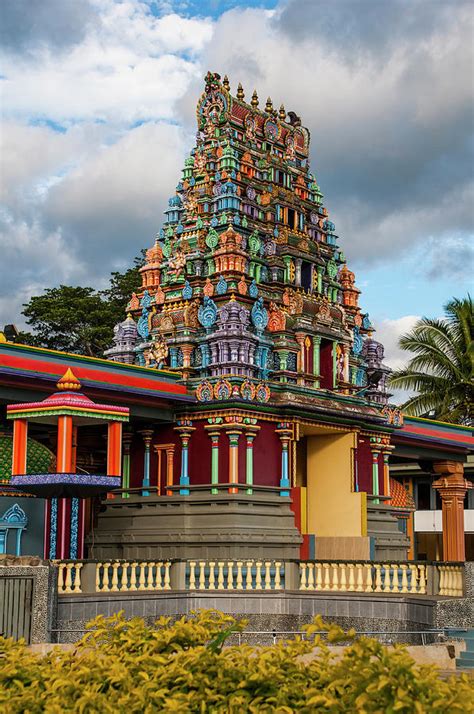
pixel 99 104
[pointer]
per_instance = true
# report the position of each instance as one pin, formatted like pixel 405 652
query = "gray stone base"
pixel 198 526
pixel 283 611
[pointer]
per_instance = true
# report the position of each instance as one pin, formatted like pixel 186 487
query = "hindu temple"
pixel 244 420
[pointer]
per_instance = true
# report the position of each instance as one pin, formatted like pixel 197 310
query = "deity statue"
pixel 176 264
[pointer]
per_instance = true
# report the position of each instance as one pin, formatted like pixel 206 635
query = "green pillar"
pixel 127 437
pixel 250 436
pixel 214 460
pixel 320 279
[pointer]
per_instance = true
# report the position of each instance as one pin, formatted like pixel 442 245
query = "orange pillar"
pixel 65 455
pixel 20 443
pixel 114 449
pixel 233 435
pixel 452 487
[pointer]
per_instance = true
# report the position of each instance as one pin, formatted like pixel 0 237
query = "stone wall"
pixel 283 611
pixel 44 605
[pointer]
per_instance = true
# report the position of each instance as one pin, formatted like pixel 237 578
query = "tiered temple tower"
pixel 246 291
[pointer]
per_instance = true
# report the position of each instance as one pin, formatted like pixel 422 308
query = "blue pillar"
pixel 284 431
pixel 185 430
pixel 147 435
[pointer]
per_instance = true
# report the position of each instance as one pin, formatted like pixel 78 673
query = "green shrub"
pixel 126 666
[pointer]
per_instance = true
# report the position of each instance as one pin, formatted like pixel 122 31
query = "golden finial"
pixel 282 113
pixel 269 106
pixel 240 92
pixel 69 381
pixel 225 82
pixel 254 101
pixel 232 297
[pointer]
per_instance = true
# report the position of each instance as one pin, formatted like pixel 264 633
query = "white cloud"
pixel 129 67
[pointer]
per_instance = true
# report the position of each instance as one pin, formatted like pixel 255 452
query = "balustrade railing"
pixel 235 575
pixel 364 577
pixel 450 580
pixel 408 578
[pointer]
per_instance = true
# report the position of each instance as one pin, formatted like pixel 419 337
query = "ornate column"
pixel 184 429
pixel 345 352
pixel 20 442
pixel 126 445
pixel 250 434
pixel 214 435
pixel 320 279
pixel 169 469
pixel 298 263
pixel 300 366
pixel 187 351
pixel 452 487
pixel 285 433
pixel 147 435
pixel 386 450
pixel 316 358
pixel 375 449
pixel 234 433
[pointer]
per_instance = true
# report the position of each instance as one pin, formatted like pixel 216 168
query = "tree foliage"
pixel 126 666
pixel 80 319
pixel 442 368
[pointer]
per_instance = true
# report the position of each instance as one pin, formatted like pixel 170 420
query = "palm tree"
pixel 442 368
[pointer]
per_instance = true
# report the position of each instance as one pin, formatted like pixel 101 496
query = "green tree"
pixel 80 319
pixel 442 368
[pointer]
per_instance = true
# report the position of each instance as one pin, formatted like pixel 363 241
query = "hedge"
pixel 187 666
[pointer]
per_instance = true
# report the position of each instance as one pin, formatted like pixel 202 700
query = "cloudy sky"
pixel 98 102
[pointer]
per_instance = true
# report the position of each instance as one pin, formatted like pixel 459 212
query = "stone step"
pixel 465 660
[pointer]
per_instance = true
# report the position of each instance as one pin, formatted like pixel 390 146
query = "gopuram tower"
pixel 246 294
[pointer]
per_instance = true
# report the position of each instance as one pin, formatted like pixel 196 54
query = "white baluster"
pixel 114 585
pixel 404 569
pixel 239 585
pixel 422 580
pixel 230 575
pixel 351 586
pixel 310 576
pixel 133 576
pixel 192 575
pixel 369 587
pixel 378 579
pixel 412 583
pixel 319 576
pixel 303 568
pixel 268 576
pixel 327 579
pixel 167 580
pixel 124 577
pixel 159 579
pixel 61 574
pixel 106 578
pixel 277 576
pixel 258 575
pixel 360 578
pixel 220 575
pixel 202 575
pixel 249 576
pixel 335 576
pixel 98 587
pixel 343 581
pixel 212 577
pixel 150 585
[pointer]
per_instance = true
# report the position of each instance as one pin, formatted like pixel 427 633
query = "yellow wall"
pixel 333 509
